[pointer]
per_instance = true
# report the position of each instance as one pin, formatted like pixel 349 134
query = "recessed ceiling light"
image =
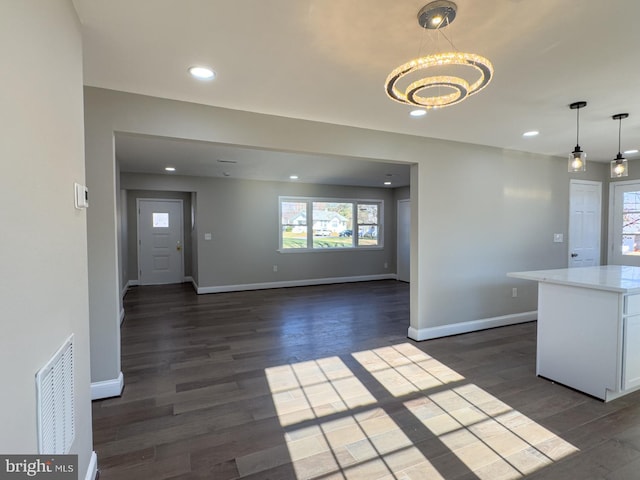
pixel 170 169
pixel 418 113
pixel 293 177
pixel 531 133
pixel 203 73
pixel 631 152
pixel 387 182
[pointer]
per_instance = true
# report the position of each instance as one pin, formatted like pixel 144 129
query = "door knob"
pixel 574 255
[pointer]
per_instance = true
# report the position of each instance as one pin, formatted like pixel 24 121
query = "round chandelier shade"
pixel 442 79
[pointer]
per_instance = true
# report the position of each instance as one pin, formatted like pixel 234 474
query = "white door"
pixel 585 206
pixel 624 224
pixel 160 256
pixel 404 239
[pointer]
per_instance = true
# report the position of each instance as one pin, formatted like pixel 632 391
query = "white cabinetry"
pixel 631 353
pixel 589 328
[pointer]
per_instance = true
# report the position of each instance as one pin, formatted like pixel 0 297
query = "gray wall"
pixel 131 245
pixel 476 212
pixel 488 213
pixel 43 244
pixel 242 216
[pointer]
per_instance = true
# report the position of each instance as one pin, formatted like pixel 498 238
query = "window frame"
pixel 309 201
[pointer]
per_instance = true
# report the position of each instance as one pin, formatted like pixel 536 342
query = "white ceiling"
pixel 327 60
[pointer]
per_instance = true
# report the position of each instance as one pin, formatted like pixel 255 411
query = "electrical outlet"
pixel 514 292
pixel 275 268
pixel 386 265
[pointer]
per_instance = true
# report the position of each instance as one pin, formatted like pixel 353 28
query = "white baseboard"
pixel 472 326
pixel 92 471
pixel 107 388
pixel 128 285
pixel 292 283
pixel 121 315
pixel 195 285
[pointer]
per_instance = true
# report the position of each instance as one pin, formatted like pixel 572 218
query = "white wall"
pixel 43 249
pixel 477 212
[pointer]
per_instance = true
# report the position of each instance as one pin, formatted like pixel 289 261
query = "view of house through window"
pixel 308 223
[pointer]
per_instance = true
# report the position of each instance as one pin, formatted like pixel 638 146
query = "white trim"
pixel 471 326
pixel 92 469
pixel 121 315
pixel 195 285
pixel 292 283
pixel 611 219
pixel 107 388
pixel 128 285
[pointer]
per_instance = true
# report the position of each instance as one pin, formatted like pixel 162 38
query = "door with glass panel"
pixel 624 232
pixel 160 253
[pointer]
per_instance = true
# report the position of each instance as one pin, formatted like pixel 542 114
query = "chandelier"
pixel 451 89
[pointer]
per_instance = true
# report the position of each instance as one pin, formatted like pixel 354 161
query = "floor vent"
pixel 55 402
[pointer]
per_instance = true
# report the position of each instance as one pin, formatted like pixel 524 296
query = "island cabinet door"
pixel 631 353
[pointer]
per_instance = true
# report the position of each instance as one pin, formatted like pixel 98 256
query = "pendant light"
pixel 619 165
pixel 577 158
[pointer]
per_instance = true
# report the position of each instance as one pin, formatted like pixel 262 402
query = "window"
pixel 160 220
pixel 631 223
pixel 324 224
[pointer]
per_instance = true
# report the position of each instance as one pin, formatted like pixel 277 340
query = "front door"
pixel 585 205
pixel 160 254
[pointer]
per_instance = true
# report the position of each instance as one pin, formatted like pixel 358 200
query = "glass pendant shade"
pixel 577 160
pixel 619 167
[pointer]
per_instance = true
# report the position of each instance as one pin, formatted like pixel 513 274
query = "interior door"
pixel 160 254
pixel 404 240
pixel 624 224
pixel 585 207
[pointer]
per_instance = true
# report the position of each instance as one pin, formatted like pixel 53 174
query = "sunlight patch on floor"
pixel 336 428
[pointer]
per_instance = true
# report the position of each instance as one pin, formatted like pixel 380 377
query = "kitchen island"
pixel 589 328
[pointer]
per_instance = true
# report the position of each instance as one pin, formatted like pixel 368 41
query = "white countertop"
pixel 613 278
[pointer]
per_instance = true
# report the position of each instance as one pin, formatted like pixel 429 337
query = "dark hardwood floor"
pixel 322 383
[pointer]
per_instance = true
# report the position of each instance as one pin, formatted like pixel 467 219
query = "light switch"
pixel 81 195
pixel 207 236
pixel 558 238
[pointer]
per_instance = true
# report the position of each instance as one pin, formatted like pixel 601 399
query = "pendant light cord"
pixel 619 133
pixel 577 125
